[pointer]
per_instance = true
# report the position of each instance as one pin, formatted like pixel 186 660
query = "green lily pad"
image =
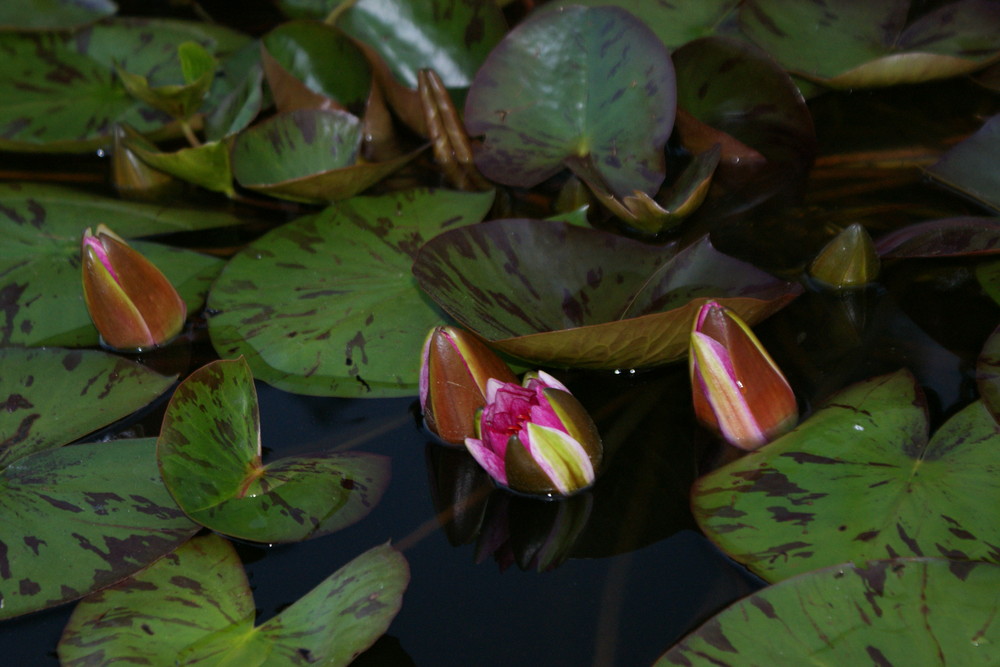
pixel 601 91
pixel 73 523
pixel 848 44
pixel 988 374
pixel 988 275
pixel 53 14
pixel 237 108
pixel 53 397
pixel 970 167
pixel 562 295
pixel 40 260
pixel 951 237
pixel 178 100
pixel 209 452
pixel 452 37
pixel 326 305
pixel 207 165
pixel 59 91
pixel 860 480
pixel 905 611
pixel 196 606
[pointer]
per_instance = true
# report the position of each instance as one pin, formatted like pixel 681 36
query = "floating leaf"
pixel 206 165
pixel 337 286
pixel 905 611
pixel 53 397
pixel 196 605
pixel 73 523
pixel 236 109
pixel 970 167
pixel 41 298
pixel 53 14
pixel 601 90
pixel 952 237
pixel 849 44
pixel 563 295
pixel 59 92
pixel 209 452
pixel 859 480
pixel 988 374
pixel 178 100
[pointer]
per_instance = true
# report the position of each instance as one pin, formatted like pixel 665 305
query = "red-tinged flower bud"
pixel 536 438
pixel 453 375
pixel 132 304
pixel 738 390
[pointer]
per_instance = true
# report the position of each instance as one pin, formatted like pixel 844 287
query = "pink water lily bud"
pixel 536 437
pixel 132 304
pixel 738 390
pixel 453 374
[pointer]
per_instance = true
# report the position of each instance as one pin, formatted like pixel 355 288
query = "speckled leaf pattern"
pixel 950 237
pixel 58 91
pixel 860 480
pixel 196 607
pixel 559 294
pixel 970 167
pixel 53 14
pixel 988 374
pixel 52 397
pixel 602 89
pixel 209 452
pixel 849 44
pixel 41 298
pixel 338 286
pixel 905 611
pixel 76 519
pixel 452 37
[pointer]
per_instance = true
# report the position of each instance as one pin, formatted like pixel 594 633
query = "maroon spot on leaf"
pixel 60 504
pixel 805 457
pixel 766 607
pixel 961 568
pixel 712 633
pixel 783 514
pixel 877 657
pixel 28 587
pixel 347 483
pixel 866 536
pixel 17 402
pixel 909 541
pixel 188 583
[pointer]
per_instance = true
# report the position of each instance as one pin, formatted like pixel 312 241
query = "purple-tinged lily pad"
pixel 52 397
pixel 988 374
pixel 860 480
pixel 73 523
pixel 196 606
pixel 53 14
pixel 951 237
pixel 600 88
pixel 209 451
pixel 850 44
pixel 40 287
pixel 904 611
pixel 326 305
pixel 563 295
pixel 971 166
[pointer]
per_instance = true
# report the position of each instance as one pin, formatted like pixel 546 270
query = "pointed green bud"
pixel 849 260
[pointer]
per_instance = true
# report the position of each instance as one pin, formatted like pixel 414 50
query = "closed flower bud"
pixel 453 375
pixel 848 260
pixel 738 390
pixel 536 438
pixel 132 304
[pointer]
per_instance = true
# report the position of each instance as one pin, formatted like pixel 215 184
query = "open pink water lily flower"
pixel 132 304
pixel 738 390
pixel 536 437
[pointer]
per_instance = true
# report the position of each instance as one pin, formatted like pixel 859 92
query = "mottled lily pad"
pixel 197 607
pixel 59 90
pixel 563 295
pixel 52 396
pixel 860 480
pixel 905 611
pixel 53 14
pixel 951 237
pixel 74 523
pixel 40 290
pixel 209 452
pixel 849 44
pixel 326 305
pixel 971 166
pixel 601 91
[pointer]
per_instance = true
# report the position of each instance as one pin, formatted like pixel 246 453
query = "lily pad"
pixel 59 91
pixel 206 165
pixel 196 605
pixel 53 14
pixel 905 611
pixel 562 295
pixel 326 305
pixel 988 374
pixel 40 292
pixel 601 91
pixel 970 167
pixel 988 275
pixel 860 480
pixel 848 44
pixel 209 452
pixel 951 237
pixel 53 397
pixel 73 523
